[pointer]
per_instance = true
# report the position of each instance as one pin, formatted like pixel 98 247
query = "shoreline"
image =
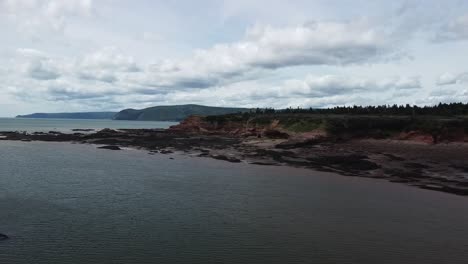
pixel 438 167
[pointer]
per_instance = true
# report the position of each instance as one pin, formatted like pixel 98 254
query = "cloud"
pixel 29 15
pixel 456 29
pixel 331 85
pixel 111 75
pixel 105 65
pixel 445 95
pixel 266 48
pixel 35 64
pixel 450 78
pixel 317 43
pixel 342 58
pixel 327 85
pixel 109 58
pixel 315 91
pixel 410 83
pixel 41 70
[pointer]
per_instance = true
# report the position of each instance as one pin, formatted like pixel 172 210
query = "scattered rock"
pixel 448 189
pixel 107 130
pixel 400 180
pixel 275 134
pixel 462 168
pixel 264 163
pixel 393 157
pixel 405 174
pixel 226 158
pixel 419 165
pixel 110 147
pixel 3 237
pixel 415 165
pixel 353 162
pixel 107 141
pixel 82 130
pixel 299 143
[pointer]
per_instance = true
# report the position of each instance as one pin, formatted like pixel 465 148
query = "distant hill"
pixel 83 115
pixel 174 112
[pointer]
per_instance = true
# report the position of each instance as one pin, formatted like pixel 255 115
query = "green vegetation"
pixel 452 109
pixel 174 112
pixel 299 125
pixel 444 121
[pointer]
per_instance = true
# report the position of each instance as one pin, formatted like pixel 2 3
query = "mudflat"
pixel 440 167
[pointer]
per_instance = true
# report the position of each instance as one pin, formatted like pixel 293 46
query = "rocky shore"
pixel 439 167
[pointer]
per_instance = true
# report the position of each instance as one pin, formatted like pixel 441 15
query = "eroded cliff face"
pixel 199 124
pixel 281 129
pixel 272 129
pixel 193 124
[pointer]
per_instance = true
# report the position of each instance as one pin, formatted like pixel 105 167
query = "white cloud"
pixel 247 55
pixel 29 15
pixel 413 82
pixel 35 64
pixel 332 85
pixel 109 74
pixel 104 65
pixel 316 91
pixel 456 29
pixel 451 78
pixel 41 70
pixel 269 48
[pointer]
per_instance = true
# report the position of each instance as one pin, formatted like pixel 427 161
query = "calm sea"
pixel 72 203
pixel 66 125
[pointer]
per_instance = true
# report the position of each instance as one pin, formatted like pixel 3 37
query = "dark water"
pixel 66 125
pixel 64 203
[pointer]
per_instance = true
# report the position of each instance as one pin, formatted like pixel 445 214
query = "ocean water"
pixel 72 203
pixel 66 125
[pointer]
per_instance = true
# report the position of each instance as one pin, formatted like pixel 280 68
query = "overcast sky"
pixel 85 55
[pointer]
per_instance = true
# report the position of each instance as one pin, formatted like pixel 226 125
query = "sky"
pixel 107 55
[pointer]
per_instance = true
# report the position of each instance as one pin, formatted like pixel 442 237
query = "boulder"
pixel 110 147
pixel 3 237
pixel 275 134
pixel 226 158
pixel 82 129
pixel 299 143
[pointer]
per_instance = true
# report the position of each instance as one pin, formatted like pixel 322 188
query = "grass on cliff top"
pixel 381 125
pixel 300 125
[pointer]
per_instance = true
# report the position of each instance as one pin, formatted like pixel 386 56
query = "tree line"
pixel 442 109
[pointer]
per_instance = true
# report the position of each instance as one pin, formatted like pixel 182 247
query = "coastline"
pixel 438 167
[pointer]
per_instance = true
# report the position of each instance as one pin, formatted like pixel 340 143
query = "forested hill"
pixel 174 112
pixel 180 112
pixel 82 115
